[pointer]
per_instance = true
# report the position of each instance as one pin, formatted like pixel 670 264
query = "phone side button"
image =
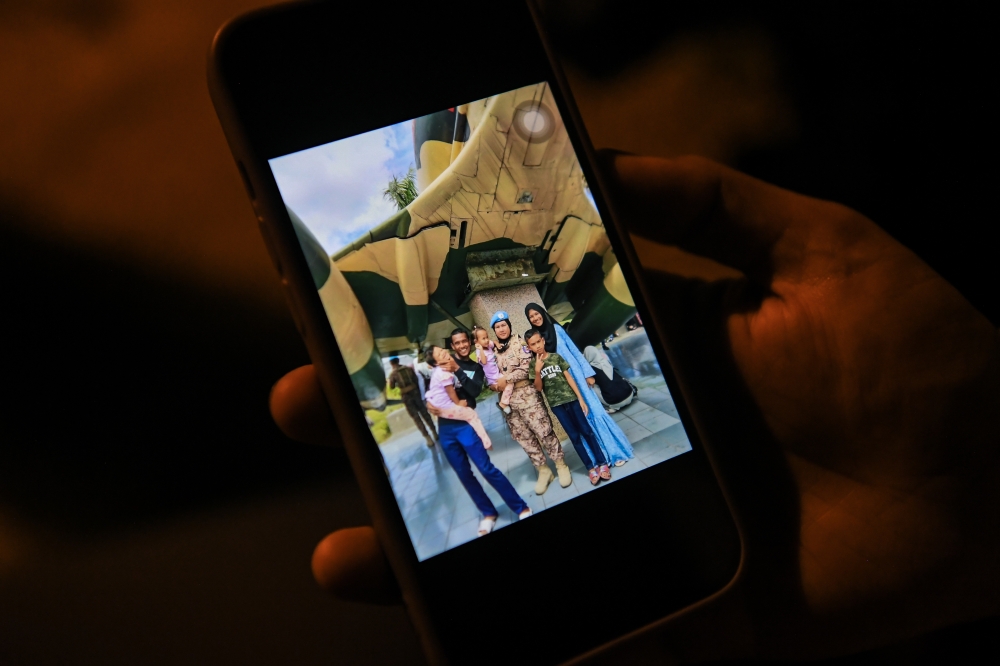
pixel 286 289
pixel 265 231
pixel 251 192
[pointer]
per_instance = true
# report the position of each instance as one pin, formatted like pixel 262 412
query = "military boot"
pixel 545 477
pixel 562 469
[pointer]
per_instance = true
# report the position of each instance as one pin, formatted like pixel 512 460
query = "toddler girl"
pixel 487 359
pixel 441 393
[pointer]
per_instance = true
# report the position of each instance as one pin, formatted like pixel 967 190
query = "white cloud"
pixel 336 188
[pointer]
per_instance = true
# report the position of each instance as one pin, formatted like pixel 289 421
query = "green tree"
pixel 402 191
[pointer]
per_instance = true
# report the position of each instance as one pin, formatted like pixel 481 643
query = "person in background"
pixel 405 379
pixel 614 390
pixel 551 375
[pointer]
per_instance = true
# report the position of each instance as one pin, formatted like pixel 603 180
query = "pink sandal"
pixel 605 472
pixel 595 478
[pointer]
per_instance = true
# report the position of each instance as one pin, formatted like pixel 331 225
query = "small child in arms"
pixel 551 375
pixel 441 393
pixel 488 359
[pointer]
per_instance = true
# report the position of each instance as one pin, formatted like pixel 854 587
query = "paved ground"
pixel 439 513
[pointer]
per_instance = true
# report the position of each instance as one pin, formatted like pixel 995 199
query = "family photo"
pixel 489 332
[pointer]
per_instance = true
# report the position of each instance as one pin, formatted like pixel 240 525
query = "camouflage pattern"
pixel 554 371
pixel 517 213
pixel 417 410
pixel 531 426
pixel 514 361
pixel 528 420
pixel 406 379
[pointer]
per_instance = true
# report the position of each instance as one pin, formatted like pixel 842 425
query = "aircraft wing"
pixel 513 182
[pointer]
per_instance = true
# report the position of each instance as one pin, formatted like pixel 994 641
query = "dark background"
pixel 149 510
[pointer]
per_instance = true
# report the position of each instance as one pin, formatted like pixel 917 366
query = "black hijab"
pixel 548 327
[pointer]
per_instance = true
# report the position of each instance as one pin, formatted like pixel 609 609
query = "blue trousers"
pixel 460 444
pixel 575 423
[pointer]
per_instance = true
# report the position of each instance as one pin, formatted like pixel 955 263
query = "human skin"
pixel 537 346
pixel 536 319
pixel 847 396
pixel 483 343
pixel 482 338
pixel 460 343
pixel 502 331
pixel 444 360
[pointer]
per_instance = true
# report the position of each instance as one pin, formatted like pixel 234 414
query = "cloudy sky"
pixel 336 188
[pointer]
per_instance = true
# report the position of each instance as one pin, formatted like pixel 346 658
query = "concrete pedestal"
pixel 510 299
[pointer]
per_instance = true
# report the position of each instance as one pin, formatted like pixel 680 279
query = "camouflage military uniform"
pixel 528 420
pixel 405 379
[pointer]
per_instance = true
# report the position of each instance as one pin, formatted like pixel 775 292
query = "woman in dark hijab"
pixel 543 321
pixel 615 444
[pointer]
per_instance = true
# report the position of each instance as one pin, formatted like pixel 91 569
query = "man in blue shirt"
pixel 461 444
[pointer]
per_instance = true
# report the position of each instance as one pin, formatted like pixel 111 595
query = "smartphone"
pixel 478 320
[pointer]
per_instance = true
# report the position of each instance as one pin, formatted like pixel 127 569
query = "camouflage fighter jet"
pixel 502 200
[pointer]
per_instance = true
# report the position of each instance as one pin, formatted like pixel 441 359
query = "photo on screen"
pixel 491 338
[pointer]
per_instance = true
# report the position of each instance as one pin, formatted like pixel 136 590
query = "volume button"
pixel 246 180
pixel 287 290
pixel 272 249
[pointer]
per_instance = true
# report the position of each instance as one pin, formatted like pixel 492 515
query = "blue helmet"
pixel 499 315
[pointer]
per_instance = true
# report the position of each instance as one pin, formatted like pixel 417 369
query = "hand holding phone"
pixel 760 602
pixel 441 257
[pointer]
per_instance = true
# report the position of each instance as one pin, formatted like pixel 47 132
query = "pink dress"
pixel 488 359
pixel 437 395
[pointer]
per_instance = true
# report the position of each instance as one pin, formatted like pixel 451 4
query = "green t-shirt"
pixel 557 389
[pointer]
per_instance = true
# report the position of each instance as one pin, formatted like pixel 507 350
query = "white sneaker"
pixel 486 526
pixel 524 514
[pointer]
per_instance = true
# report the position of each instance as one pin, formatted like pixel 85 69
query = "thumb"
pixel 711 210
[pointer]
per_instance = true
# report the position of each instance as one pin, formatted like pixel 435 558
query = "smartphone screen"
pixel 492 340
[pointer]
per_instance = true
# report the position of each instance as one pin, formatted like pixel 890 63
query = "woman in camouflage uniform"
pixel 528 420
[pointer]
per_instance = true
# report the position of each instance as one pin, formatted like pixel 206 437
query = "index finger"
pixel 713 211
pixel 299 408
